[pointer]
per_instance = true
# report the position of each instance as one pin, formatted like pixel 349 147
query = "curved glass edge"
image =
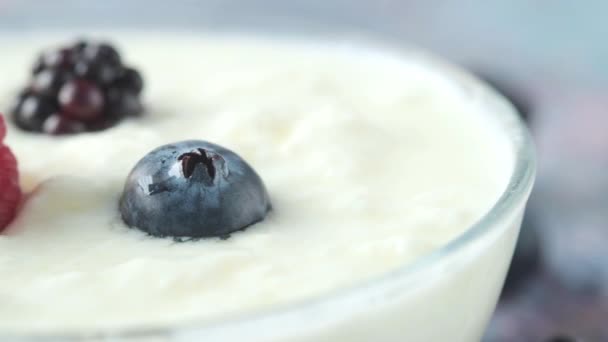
pixel 514 197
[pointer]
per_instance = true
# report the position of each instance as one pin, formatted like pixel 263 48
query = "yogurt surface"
pixel 371 158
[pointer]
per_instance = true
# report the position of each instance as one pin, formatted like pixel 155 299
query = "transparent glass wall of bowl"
pixel 401 310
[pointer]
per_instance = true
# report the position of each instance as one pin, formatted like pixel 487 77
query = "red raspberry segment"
pixel 10 194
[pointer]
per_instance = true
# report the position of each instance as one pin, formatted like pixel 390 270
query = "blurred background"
pixel 549 57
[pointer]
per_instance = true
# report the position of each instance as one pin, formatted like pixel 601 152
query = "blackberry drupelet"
pixel 84 87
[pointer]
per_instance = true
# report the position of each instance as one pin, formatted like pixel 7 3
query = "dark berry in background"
pixel 57 124
pixel 63 58
pixel 32 109
pixel 78 88
pixel 82 100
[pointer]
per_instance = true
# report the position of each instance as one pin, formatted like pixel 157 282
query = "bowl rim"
pixel 513 197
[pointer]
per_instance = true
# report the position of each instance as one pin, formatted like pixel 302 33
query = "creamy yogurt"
pixel 372 159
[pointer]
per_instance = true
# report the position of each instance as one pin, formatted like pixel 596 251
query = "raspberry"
pixel 78 88
pixel 10 194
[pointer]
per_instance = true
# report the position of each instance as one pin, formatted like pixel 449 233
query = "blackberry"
pixel 79 88
pixel 130 80
pixel 118 102
pixel 81 100
pixel 58 59
pixel 58 124
pixel 47 82
pixel 31 110
pixel 101 54
pixel 100 73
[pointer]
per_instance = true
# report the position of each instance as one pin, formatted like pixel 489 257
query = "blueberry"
pixel 101 73
pixel 193 189
pixel 121 103
pixel 56 59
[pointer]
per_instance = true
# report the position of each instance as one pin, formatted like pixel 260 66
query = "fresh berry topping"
pixel 31 111
pixel 119 102
pixel 131 81
pixel 193 189
pixel 58 59
pixel 85 82
pixel 81 100
pixel 100 124
pixel 10 194
pixel 101 54
pixel 57 124
pixel 48 82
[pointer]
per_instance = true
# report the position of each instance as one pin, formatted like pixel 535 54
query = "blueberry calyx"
pixel 200 156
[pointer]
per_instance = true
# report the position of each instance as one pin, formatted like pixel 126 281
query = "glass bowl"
pixel 416 302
